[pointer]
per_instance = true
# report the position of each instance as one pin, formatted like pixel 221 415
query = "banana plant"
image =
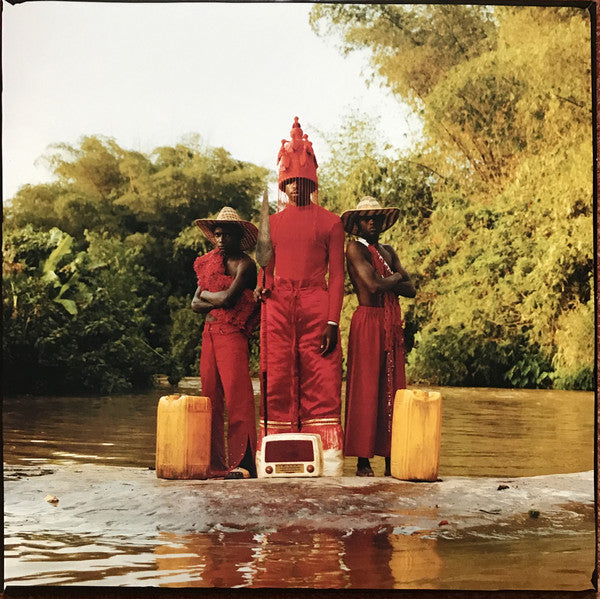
pixel 73 291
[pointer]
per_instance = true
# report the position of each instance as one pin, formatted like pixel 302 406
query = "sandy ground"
pixel 134 501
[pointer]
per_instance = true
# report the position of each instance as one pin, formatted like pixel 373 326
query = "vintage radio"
pixel 290 455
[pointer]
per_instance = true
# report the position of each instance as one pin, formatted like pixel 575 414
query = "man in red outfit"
pixel 303 299
pixel 226 280
pixel 376 341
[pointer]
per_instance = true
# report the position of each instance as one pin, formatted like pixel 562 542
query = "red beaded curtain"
pixel 297 164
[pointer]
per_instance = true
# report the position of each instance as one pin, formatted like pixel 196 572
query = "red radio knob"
pixel 269 469
pixel 310 468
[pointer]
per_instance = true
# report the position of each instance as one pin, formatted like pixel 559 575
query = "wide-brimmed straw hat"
pixel 369 206
pixel 228 216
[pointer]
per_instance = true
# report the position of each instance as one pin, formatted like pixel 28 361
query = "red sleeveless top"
pixel 211 275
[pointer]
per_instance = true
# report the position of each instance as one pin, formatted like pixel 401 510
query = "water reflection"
pixel 116 430
pixel 485 432
pixel 415 562
pixel 52 559
pixel 516 432
pixel 383 558
pixel 285 558
pixel 371 559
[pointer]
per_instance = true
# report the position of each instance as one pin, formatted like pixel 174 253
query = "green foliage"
pixel 412 46
pixel 98 264
pixel 73 321
pixel 573 368
pixel 496 227
pixel 185 340
pixel 458 355
pixel 103 187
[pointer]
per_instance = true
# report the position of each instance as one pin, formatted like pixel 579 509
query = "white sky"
pixel 149 74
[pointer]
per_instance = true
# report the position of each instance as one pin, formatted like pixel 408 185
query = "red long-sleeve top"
pixel 308 243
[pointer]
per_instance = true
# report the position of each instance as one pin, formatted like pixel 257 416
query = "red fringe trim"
pixel 332 435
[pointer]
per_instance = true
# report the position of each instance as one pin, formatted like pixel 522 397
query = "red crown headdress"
pixel 296 160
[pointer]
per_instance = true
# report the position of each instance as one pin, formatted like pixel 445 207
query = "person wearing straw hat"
pixel 226 280
pixel 375 365
pixel 304 290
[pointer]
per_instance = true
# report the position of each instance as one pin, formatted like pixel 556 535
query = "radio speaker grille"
pixel 289 451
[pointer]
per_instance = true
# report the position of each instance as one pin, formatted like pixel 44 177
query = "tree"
pixel 140 209
pixel 74 321
pixel 500 238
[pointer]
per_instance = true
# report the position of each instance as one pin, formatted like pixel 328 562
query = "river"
pixel 485 433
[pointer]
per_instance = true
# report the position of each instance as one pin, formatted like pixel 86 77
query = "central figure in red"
pixel 304 291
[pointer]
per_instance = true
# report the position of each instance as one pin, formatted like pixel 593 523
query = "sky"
pixel 148 75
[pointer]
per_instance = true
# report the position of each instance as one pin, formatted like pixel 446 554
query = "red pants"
pixel 303 387
pixel 225 376
pixel 368 415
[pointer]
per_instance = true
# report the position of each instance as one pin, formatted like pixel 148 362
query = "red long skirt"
pixel 225 378
pixel 368 412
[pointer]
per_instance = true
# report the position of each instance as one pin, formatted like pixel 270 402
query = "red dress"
pixel 303 387
pixel 224 370
pixel 375 371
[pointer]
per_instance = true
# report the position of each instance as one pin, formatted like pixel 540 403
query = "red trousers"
pixel 225 376
pixel 368 411
pixel 303 387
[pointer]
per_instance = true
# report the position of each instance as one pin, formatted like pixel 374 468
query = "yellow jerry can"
pixel 183 426
pixel 416 435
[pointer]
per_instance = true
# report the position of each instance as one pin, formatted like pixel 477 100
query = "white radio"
pixel 290 455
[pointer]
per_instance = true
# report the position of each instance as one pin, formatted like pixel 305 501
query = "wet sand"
pixel 184 533
pixel 134 501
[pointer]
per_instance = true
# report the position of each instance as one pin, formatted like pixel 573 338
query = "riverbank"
pixel 107 506
pixel 135 500
pixel 502 517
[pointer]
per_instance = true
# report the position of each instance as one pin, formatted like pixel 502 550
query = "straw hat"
pixel 228 216
pixel 369 206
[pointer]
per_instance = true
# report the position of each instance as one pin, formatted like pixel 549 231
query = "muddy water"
pixel 293 558
pixel 486 432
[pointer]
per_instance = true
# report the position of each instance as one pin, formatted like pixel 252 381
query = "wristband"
pixel 335 324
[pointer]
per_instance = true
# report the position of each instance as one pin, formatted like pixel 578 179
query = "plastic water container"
pixel 416 435
pixel 183 426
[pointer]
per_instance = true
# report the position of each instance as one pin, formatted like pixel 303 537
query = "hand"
pixel 261 293
pixel 329 339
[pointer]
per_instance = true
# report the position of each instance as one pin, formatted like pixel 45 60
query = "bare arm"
pixel 245 278
pixel 365 273
pixel 198 305
pixel 405 286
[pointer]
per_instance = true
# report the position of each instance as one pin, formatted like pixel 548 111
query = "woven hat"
pixel 228 216
pixel 369 206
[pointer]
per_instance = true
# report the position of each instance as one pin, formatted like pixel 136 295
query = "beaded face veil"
pixel 298 183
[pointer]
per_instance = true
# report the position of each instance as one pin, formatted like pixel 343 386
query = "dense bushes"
pixel 97 266
pixel 73 320
pixel 496 225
